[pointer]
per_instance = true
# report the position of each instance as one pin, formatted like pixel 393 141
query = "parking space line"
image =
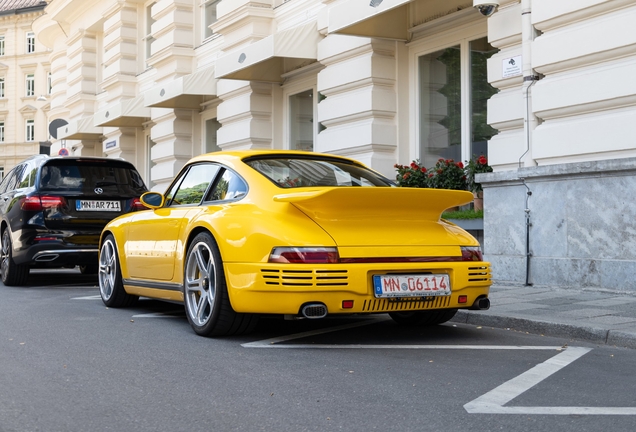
pixel 490 403
pixel 493 401
pixel 170 314
pixel 93 297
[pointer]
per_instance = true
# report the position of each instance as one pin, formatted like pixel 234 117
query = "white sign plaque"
pixel 511 67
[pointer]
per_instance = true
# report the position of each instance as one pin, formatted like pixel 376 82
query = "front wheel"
pixel 111 287
pixel 12 273
pixel 207 303
pixel 423 318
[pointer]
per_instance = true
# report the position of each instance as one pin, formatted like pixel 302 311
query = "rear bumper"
pixel 56 255
pixel 284 289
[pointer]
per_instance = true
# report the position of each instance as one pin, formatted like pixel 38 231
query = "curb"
pixel 596 335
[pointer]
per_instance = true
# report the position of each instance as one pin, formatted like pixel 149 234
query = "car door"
pixel 154 238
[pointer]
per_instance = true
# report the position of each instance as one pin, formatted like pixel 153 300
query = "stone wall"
pixel 583 230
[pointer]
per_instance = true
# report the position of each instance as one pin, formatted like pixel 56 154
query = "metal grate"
pixel 306 278
pixel 385 305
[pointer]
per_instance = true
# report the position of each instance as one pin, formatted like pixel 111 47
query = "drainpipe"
pixel 530 122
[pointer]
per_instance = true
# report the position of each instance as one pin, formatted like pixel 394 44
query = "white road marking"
pixel 490 403
pixel 93 297
pixel 493 401
pixel 170 314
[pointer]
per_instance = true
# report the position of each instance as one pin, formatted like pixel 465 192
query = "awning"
pixel 127 113
pixel 387 19
pixel 185 92
pixel 81 129
pixel 271 57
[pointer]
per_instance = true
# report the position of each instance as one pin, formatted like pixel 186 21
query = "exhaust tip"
pixel 482 303
pixel 314 310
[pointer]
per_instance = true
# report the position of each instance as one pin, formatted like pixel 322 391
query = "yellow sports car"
pixel 238 234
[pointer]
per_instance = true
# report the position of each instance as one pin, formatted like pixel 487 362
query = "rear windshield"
pixel 84 176
pixel 289 172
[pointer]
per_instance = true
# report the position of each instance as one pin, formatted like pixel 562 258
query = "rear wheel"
pixel 207 303
pixel 111 287
pixel 12 273
pixel 423 318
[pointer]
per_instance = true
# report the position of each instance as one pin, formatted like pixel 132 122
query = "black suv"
pixel 53 209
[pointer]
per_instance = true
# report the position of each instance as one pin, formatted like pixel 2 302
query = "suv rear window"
pixel 83 176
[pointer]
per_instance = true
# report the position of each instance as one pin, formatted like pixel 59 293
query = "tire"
pixel 12 273
pixel 423 318
pixel 111 287
pixel 89 269
pixel 206 300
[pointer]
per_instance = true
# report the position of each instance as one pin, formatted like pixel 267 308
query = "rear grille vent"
pixel 306 278
pixel 479 274
pixel 385 305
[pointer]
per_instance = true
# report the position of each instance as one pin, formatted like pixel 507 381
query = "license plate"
pixel 429 285
pixel 94 205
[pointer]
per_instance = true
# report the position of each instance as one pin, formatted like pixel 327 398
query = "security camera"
pixel 486 7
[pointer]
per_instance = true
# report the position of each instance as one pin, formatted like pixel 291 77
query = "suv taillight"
pixel 137 205
pixel 39 203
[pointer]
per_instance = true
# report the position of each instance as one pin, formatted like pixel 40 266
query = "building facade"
pixel 24 84
pixel 543 88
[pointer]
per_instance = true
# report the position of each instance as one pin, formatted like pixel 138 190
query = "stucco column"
pixel 359 108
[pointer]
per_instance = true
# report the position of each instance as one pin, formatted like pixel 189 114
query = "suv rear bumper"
pixel 46 256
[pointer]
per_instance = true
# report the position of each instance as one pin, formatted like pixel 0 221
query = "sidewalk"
pixel 592 316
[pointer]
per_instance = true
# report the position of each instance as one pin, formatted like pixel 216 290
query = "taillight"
pixel 304 255
pixel 137 205
pixel 39 203
pixel 472 253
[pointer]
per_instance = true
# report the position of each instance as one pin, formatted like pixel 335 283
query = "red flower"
pixel 414 165
pixel 460 165
pixel 423 169
pixel 406 176
pixel 482 160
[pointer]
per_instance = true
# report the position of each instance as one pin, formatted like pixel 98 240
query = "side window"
pixel 195 184
pixel 28 177
pixel 229 186
pixel 12 178
pixel 6 180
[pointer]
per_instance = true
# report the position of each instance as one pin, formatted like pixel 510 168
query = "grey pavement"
pixel 607 318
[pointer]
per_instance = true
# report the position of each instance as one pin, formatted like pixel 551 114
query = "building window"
pixel 1 173
pixel 301 121
pixel 212 126
pixel 49 83
pixel 452 117
pixel 148 39
pixel 1 45
pixel 30 85
pixel 30 42
pixel 1 131
pixel 1 87
pixel 209 16
pixel 30 130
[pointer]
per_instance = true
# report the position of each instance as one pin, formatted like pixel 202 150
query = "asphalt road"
pixel 68 363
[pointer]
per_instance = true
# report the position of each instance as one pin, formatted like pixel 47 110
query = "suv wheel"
pixel 12 274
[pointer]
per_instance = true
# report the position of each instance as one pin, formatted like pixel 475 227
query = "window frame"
pixel 1 131
pixel 293 88
pixel 1 87
pixel 30 42
pixel 29 85
pixel 29 131
pixel 428 41
pixel 2 45
pixel 204 18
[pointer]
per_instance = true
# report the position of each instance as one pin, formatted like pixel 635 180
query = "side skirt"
pixel 158 290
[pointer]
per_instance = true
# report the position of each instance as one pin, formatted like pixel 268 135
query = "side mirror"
pixel 152 200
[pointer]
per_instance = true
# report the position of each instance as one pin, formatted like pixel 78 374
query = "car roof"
pixel 233 156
